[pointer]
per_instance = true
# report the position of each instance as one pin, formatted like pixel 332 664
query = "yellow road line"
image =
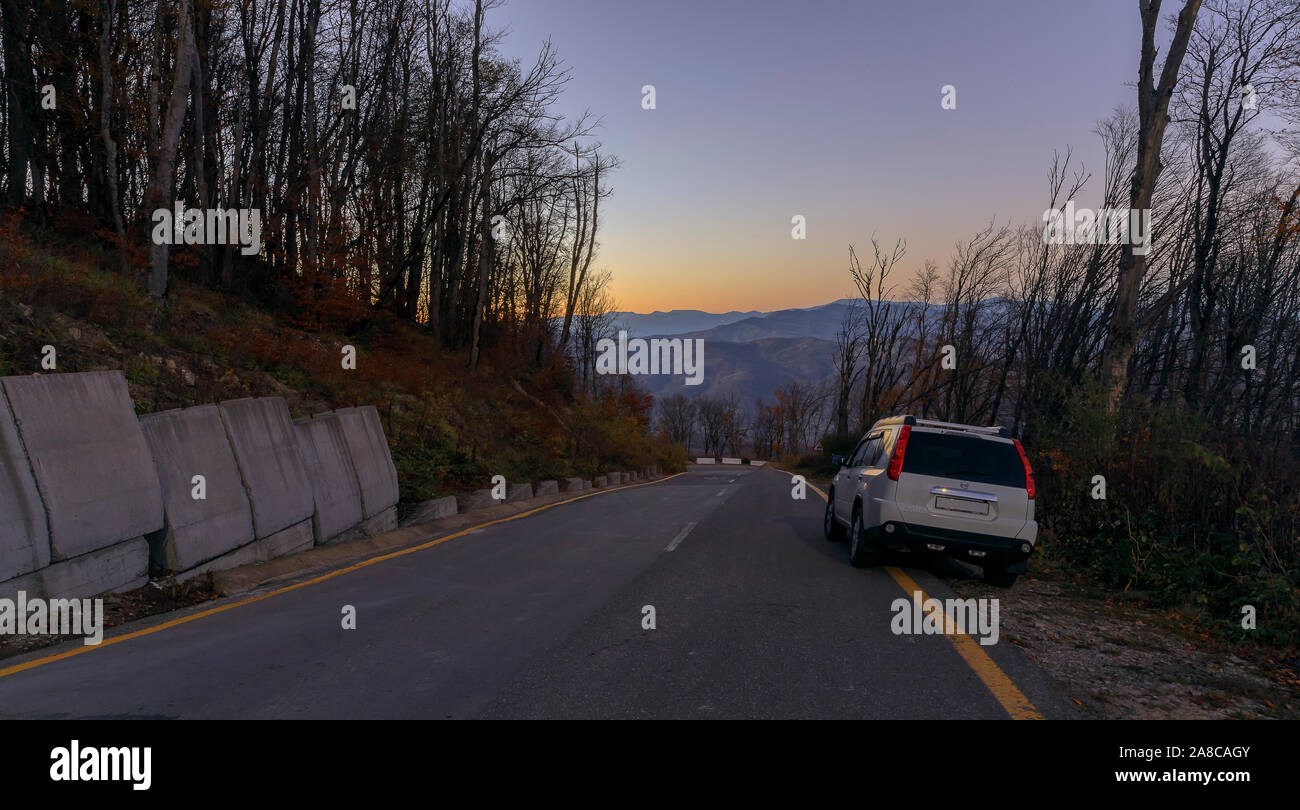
pixel 49 659
pixel 998 682
pixel 807 483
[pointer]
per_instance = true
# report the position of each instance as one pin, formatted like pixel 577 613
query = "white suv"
pixel 936 487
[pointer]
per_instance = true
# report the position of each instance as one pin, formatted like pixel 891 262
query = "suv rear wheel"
pixel 862 549
pixel 999 577
pixel 831 526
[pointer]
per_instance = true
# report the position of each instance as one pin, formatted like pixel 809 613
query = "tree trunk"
pixel 160 190
pixel 1153 117
pixel 109 9
pixel 21 93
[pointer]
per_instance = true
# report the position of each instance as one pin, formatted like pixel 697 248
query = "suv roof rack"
pixel 912 421
pixel 907 419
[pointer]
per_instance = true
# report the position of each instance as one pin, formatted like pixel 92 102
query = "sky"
pixel 828 110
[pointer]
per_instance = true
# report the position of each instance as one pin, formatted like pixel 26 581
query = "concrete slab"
pixel 186 443
pixel 295 538
pixel 371 458
pixel 24 534
pixel 385 521
pixel 435 509
pixel 88 457
pixel 266 450
pixel 599 482
pixel 478 499
pixel 119 567
pixel 573 485
pixel 614 478
pixel 518 492
pixel 546 488
pixel 335 490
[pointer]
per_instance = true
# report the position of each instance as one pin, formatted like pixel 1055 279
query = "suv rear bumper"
pixel 972 547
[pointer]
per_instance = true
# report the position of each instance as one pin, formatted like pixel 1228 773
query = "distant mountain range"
pixel 752 353
pixel 748 353
pixel 677 322
pixel 750 369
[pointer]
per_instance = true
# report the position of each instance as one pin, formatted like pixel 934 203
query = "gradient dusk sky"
pixel 827 109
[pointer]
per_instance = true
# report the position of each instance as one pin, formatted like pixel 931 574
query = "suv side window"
pixel 886 448
pixel 879 452
pixel 867 451
pixel 853 455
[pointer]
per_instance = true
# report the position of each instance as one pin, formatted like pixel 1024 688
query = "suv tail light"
pixel 1029 473
pixel 896 458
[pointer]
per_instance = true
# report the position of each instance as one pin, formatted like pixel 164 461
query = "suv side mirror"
pixel 837 460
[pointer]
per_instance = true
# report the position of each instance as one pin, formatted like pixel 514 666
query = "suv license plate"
pixel 962 505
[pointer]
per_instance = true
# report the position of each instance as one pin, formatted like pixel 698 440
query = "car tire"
pixel 1000 578
pixel 862 549
pixel 830 526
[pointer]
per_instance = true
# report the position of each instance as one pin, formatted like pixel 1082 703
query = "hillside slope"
pixel 450 431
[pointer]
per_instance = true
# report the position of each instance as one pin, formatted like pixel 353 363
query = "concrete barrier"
pixel 614 478
pixel 89 459
pixel 279 491
pixel 431 510
pixel 573 485
pixel 546 488
pixel 730 461
pixel 478 499
pixel 94 476
pixel 288 541
pixel 518 492
pixel 119 567
pixel 186 443
pixel 372 459
pixel 88 493
pixel 704 461
pixel 599 482
pixel 24 534
pixel 335 489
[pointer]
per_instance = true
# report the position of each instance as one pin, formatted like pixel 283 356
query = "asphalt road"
pixel 756 614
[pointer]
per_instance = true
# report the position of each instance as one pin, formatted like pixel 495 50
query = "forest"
pixel 397 161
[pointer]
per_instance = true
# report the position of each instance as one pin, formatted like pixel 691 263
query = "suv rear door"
pixel 963 481
pixel 855 474
pixel 845 480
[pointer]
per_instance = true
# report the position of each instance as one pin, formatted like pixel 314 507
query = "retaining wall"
pixel 274 476
pixel 335 489
pixel 24 534
pixel 95 478
pixel 186 443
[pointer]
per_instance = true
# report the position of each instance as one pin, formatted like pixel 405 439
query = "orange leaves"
pixel 326 303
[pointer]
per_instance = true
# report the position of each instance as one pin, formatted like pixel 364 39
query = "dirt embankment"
pixel 1121 660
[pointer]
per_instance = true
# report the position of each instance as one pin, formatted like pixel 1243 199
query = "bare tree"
pixel 1153 117
pixel 848 349
pixel 159 194
pixel 765 430
pixel 713 424
pixel 677 419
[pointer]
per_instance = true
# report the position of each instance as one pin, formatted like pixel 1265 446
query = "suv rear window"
pixel 948 455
